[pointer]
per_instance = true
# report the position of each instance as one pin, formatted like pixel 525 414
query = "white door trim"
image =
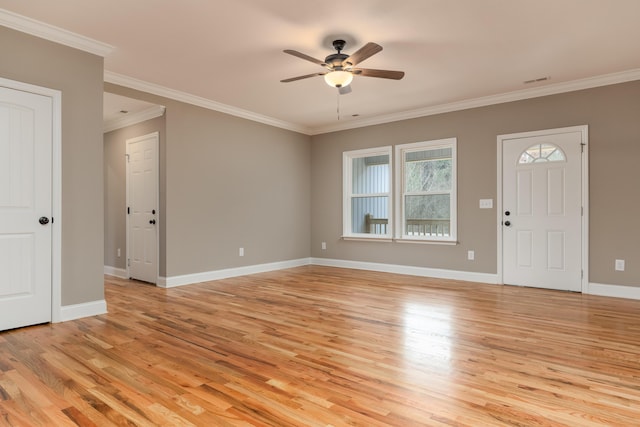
pixel 56 188
pixel 584 130
pixel 155 135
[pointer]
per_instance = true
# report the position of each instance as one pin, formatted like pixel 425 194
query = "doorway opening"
pixel 126 119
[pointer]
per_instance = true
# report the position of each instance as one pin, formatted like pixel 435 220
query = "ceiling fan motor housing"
pixel 335 60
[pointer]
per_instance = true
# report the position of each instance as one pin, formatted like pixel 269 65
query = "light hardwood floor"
pixel 319 346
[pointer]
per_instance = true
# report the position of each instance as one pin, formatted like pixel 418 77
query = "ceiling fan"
pixel 342 67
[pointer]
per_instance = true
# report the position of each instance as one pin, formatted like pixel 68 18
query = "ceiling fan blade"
pixel 384 74
pixel 306 76
pixel 361 54
pixel 343 90
pixel 305 57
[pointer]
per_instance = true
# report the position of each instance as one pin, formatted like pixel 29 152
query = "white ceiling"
pixel 229 53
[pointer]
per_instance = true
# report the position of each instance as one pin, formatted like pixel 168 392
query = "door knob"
pixel 43 220
pixel 152 221
pixel 507 223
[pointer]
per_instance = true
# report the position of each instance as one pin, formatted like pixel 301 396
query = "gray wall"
pixel 79 76
pixel 115 191
pixel 229 183
pixel 613 116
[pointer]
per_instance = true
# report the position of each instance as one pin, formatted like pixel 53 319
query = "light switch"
pixel 486 203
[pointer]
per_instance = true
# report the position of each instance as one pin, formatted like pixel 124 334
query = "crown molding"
pixel 133 83
pixel 52 33
pixel 552 89
pixel 135 118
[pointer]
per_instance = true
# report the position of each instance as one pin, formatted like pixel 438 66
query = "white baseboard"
pixel 409 270
pixel 117 272
pixel 188 279
pixel 100 307
pixel 615 291
pixel 600 289
pixel 77 311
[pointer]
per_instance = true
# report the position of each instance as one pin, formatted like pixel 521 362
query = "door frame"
pixel 584 179
pixel 56 188
pixel 156 135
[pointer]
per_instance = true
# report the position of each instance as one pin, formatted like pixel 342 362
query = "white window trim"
pixel 399 194
pixel 347 188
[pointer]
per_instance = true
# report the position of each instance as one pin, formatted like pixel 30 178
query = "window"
pixel 542 153
pixel 426 182
pixel 367 193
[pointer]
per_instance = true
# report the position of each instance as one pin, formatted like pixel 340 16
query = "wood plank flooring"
pixel 319 346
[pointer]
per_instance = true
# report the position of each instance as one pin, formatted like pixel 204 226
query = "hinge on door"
pixel 582 144
pixel 582 274
pixel 128 262
pixel 581 210
pixel 128 210
pixel 127 156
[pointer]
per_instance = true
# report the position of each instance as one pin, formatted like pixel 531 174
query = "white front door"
pixel 25 208
pixel 542 209
pixel 142 184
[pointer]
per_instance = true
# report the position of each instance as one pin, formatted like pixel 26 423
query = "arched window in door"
pixel 539 153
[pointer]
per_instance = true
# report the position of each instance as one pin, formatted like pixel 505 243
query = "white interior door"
pixel 142 184
pixel 542 210
pixel 25 208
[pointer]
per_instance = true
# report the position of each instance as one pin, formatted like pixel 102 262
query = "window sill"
pixel 367 239
pixel 390 240
pixel 428 242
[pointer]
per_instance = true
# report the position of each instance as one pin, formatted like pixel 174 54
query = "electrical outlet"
pixel 324 246
pixel 241 252
pixel 619 265
pixel 471 255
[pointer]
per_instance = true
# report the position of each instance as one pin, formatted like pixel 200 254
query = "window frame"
pixel 347 193
pixel 399 226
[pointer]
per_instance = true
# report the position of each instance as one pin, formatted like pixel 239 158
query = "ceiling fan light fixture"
pixel 338 78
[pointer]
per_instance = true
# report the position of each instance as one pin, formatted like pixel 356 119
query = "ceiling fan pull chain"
pixel 338 108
